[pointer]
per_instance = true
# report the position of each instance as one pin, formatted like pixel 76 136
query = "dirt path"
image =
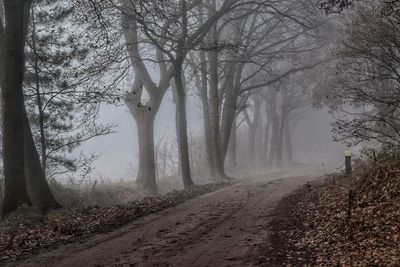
pixel 223 228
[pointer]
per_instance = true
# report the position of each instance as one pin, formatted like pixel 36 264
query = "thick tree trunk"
pixel 144 115
pixel 214 115
pixel 214 100
pixel 13 105
pixel 147 166
pixel 36 183
pixel 182 128
pixel 22 168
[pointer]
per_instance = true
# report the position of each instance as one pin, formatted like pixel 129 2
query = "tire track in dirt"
pixel 222 228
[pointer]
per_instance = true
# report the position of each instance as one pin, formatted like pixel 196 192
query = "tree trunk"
pixel 147 166
pixel 144 115
pixel 182 128
pixel 25 182
pixel 206 113
pixel 37 187
pixel 15 193
pixel 203 89
pixel 214 115
pixel 232 148
pixel 233 81
pixel 288 143
pixel 228 118
pixel 251 145
pixel 39 100
pixel 282 124
pixel 36 183
pixel 229 111
pixel 215 101
pixel 253 131
pixel 266 139
pixel 279 147
pixel 274 127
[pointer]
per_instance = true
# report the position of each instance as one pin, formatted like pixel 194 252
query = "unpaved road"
pixel 223 228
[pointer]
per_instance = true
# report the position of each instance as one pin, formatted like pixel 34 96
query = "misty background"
pixel 312 138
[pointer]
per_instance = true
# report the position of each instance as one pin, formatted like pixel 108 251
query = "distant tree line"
pixel 249 62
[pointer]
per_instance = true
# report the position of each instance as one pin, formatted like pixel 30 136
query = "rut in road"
pixel 222 228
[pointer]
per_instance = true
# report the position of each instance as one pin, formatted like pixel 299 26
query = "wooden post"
pixel 347 156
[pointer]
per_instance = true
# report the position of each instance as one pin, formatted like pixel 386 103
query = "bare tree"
pixel 144 113
pixel 365 87
pixel 171 30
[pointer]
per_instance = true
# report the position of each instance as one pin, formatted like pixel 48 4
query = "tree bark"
pixel 15 193
pixel 206 112
pixel 288 143
pixel 251 145
pixel 202 83
pixel 214 114
pixel 25 182
pixel 283 118
pixel 37 187
pixel 144 116
pixel 39 100
pixel 232 148
pixel 274 127
pixel 182 128
pixel 266 138
pixel 279 147
pixel 254 129
pixel 229 109
pixel 147 166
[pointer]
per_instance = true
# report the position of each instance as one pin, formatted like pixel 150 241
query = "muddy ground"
pixel 228 227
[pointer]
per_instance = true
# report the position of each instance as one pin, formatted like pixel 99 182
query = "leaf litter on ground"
pixel 25 232
pixel 342 221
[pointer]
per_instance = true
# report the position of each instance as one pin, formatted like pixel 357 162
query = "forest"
pixel 224 107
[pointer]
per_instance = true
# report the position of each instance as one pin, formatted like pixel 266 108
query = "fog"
pixel 312 138
pixel 119 151
pixel 304 72
pixel 211 132
pixel 188 91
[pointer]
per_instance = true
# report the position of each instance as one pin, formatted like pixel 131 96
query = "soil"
pixel 228 227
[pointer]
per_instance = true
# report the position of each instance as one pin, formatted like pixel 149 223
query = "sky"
pixel 119 150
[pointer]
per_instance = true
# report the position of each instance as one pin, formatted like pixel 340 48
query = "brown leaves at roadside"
pixel 24 233
pixel 369 237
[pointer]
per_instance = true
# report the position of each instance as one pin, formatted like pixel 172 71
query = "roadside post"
pixel 347 156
